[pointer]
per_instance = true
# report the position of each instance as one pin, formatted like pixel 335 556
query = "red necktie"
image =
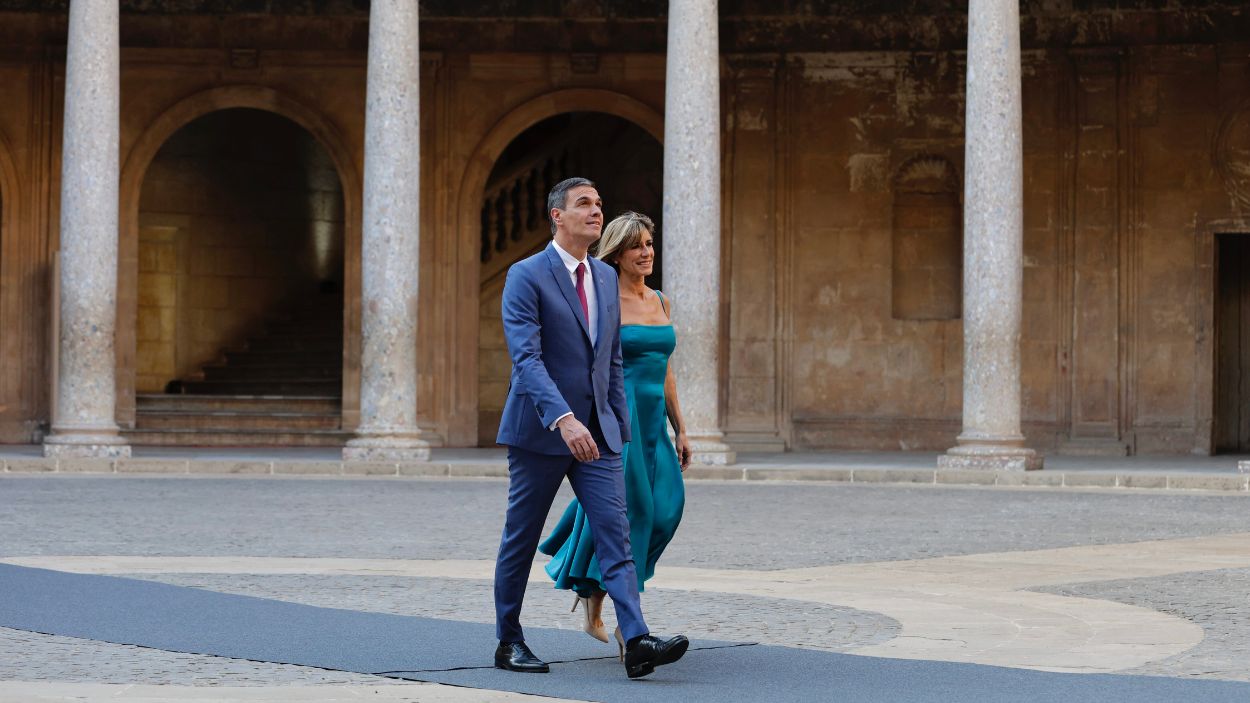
pixel 581 291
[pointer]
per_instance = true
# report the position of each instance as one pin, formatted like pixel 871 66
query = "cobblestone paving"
pixel 725 525
pixel 26 656
pixel 1219 601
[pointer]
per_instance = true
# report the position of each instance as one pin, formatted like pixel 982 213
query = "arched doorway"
pixel 240 280
pixel 625 162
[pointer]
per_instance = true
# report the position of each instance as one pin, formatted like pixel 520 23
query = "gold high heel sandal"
pixel 588 625
pixel 620 641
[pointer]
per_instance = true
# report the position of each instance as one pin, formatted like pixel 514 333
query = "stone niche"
pixel 927 241
pixel 1232 156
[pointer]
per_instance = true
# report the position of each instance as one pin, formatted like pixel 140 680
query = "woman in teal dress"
pixel 654 491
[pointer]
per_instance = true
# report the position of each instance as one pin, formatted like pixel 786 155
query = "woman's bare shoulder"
pixel 666 302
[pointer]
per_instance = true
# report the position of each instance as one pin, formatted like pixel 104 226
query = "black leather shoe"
pixel 515 656
pixel 650 652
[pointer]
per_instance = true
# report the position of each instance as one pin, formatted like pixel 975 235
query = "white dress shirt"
pixel 588 283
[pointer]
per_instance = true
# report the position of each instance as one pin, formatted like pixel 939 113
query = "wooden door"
pixel 1232 324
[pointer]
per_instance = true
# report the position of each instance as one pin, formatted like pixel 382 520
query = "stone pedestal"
pixel 993 237
pixel 389 260
pixel 1010 456
pixel 83 424
pixel 692 218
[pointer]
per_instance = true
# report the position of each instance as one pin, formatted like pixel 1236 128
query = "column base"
pixel 387 447
pixel 85 445
pixel 710 449
pixel 990 457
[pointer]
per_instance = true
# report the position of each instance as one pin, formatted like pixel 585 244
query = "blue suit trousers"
pixel 600 487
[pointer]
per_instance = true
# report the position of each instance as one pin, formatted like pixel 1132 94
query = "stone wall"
pixel 1135 139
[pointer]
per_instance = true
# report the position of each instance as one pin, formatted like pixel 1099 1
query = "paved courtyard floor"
pixel 1091 581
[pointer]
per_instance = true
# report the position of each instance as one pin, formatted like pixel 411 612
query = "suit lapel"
pixel 561 275
pixel 601 302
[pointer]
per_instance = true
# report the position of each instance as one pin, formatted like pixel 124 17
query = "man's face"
pixel 582 216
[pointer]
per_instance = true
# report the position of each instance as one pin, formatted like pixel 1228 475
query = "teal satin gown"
pixel 654 492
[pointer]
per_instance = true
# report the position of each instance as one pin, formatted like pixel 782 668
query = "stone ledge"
pixel 419 468
pixel 152 466
pixel 894 476
pixel 93 466
pixel 478 470
pixel 1226 483
pixel 716 473
pixel 1092 479
pixel 1204 482
pixel 309 468
pixel 30 465
pixel 371 468
pixel 791 474
pixel 226 466
pixel 1142 480
pixel 968 477
pixel 1031 479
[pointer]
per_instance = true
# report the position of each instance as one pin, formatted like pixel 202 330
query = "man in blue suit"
pixel 566 416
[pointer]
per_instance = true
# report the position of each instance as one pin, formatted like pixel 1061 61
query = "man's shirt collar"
pixel 570 262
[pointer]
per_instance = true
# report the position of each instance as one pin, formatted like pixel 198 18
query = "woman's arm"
pixel 674 408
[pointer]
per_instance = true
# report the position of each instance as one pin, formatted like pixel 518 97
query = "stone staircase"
pixel 283 387
pixel 514 208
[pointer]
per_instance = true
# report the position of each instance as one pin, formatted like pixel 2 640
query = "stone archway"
pixel 463 424
pixel 135 169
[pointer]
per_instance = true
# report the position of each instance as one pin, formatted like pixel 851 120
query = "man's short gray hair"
pixel 558 198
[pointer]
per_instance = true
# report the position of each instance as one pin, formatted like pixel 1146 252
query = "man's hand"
pixel 578 438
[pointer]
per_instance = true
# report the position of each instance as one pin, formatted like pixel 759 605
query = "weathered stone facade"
pixel 842 172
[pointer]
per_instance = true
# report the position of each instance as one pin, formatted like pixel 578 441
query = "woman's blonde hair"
pixel 623 233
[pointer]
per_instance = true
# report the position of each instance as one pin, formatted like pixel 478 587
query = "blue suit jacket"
pixel 555 369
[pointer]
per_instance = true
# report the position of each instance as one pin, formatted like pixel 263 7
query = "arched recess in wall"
pixel 132 176
pixel 927 241
pixel 626 164
pixel 464 413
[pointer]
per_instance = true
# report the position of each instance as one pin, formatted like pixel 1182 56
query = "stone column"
pixel 993 237
pixel 692 218
pixel 389 260
pixel 83 424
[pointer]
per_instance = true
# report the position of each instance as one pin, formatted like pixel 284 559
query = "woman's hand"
pixel 683 450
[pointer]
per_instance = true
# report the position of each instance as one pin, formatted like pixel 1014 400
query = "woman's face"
pixel 638 260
